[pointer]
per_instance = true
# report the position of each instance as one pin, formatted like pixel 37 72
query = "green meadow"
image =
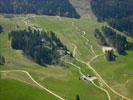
pixel 15 90
pixel 63 81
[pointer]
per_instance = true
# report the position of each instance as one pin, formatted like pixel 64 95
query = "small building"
pixel 105 49
pixel 88 78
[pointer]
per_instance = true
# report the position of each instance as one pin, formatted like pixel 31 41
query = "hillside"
pixel 27 41
pixel 118 13
pixel 43 47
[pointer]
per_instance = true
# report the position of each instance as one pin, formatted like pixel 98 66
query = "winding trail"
pixel 83 36
pixel 98 75
pixel 90 67
pixel 101 79
pixel 79 69
pixel 59 97
pixel 74 51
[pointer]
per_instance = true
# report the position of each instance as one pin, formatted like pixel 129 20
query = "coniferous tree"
pixel 1 29
pixel 2 60
pixel 110 55
pixel 77 97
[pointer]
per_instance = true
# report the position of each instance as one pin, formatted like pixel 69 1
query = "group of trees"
pixel 110 56
pixel 107 9
pixel 2 60
pixel 47 7
pixel 43 47
pixel 115 40
pixel 77 97
pixel 108 37
pixel 124 25
pixel 1 29
pixel 118 13
pixel 100 38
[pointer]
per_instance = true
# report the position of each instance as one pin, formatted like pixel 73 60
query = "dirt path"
pixel 79 69
pixel 74 50
pixel 109 97
pixel 83 36
pixel 99 77
pixel 104 90
pixel 90 67
pixel 7 71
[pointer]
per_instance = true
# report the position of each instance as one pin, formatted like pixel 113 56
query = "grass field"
pixel 120 73
pixel 116 73
pixel 15 90
pixel 64 81
pixel 72 34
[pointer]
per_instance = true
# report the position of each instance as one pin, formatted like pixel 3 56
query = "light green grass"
pixel 64 81
pixel 118 74
pixel 71 86
pixel 114 73
pixel 15 90
pixel 70 35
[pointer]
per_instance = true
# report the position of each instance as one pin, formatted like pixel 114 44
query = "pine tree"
pixel 1 29
pixel 77 97
pixel 2 60
pixel 110 55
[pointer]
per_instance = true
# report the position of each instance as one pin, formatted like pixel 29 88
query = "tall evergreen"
pixel 77 97
pixel 2 60
pixel 110 55
pixel 1 29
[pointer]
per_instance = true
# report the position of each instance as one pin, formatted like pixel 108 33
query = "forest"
pixel 108 37
pixel 118 13
pixel 124 25
pixel 42 47
pixel 41 7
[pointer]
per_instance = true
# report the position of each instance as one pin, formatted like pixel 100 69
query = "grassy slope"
pixel 15 90
pixel 118 74
pixel 63 81
pixel 69 34
pixel 59 79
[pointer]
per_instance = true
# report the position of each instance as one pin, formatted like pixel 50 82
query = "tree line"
pixel 2 59
pixel 45 7
pixel 118 14
pixel 108 37
pixel 43 47
pixel 124 25
pixel 112 9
